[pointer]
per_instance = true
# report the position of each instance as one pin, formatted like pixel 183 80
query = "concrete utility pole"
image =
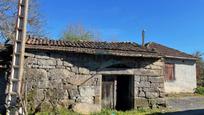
pixel 143 38
pixel 14 102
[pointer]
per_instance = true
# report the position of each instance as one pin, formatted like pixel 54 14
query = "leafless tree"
pixel 8 13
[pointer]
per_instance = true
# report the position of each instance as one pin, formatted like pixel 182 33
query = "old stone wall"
pixel 71 80
pixel 149 86
pixel 60 80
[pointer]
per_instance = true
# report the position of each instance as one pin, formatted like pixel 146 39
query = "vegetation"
pixel 61 111
pixel 8 13
pixel 132 112
pixel 199 90
pixel 200 68
pixel 109 112
pixel 78 32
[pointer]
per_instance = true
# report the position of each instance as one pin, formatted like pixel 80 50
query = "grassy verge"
pixel 132 112
pixel 110 112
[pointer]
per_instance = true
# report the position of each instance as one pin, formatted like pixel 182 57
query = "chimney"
pixel 143 38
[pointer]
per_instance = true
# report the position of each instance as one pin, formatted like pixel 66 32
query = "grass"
pixel 132 112
pixel 175 95
pixel 199 90
pixel 61 111
pixel 109 112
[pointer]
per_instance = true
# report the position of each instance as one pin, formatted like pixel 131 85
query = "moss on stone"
pixel 31 100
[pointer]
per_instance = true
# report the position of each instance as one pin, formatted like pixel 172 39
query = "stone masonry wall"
pixel 149 86
pixel 61 79
pixel 53 82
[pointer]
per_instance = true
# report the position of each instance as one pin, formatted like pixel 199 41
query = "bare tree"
pixel 8 14
pixel 199 68
pixel 78 32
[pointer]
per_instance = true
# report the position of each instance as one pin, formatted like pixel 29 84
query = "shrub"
pixel 199 90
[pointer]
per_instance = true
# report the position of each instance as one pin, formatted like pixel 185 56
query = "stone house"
pixel 88 76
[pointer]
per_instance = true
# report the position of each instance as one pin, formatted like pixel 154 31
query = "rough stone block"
pixel 75 69
pixel 162 95
pixel 150 89
pixel 86 91
pixel 34 66
pixel 143 78
pixel 141 94
pixel 161 102
pixel 59 62
pixel 156 67
pixel 97 90
pixel 144 84
pixel 78 79
pixel 44 62
pixel 152 95
pixel 136 92
pixel 147 72
pixel 157 85
pixel 86 108
pixel 67 64
pixel 46 67
pixel 31 61
pixel 141 102
pixel 60 67
pixel 40 94
pixel 73 94
pixel 159 63
pixel 137 78
pixel 36 77
pixel 156 79
pixel 83 70
pixel 97 99
pixel 93 81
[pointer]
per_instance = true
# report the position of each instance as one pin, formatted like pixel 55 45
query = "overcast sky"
pixel 175 23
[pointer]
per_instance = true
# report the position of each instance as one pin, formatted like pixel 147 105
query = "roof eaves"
pixel 176 57
pixel 95 51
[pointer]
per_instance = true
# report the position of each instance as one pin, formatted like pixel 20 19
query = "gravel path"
pixel 191 105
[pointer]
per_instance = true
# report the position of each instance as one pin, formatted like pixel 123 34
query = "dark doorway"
pixel 124 93
pixel 118 92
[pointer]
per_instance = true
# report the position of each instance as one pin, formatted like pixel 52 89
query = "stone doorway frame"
pixel 114 77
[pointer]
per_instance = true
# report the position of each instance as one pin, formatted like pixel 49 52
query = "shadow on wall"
pixel 189 112
pixel 2 92
pixel 97 62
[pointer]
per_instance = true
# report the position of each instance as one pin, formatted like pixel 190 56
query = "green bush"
pixel 199 90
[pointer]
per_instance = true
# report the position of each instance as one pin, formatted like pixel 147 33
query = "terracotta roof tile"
pixel 125 48
pixel 168 52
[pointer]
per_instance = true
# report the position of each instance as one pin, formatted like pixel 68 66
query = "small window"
pixel 169 72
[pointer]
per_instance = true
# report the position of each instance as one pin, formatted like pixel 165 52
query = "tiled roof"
pixel 113 48
pixel 168 52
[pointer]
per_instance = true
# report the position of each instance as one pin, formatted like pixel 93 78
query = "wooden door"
pixel 108 93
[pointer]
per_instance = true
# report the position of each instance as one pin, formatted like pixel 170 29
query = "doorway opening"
pixel 118 92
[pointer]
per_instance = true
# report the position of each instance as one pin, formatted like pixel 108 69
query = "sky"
pixel 175 23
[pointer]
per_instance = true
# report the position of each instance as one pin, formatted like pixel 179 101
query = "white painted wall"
pixel 185 74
